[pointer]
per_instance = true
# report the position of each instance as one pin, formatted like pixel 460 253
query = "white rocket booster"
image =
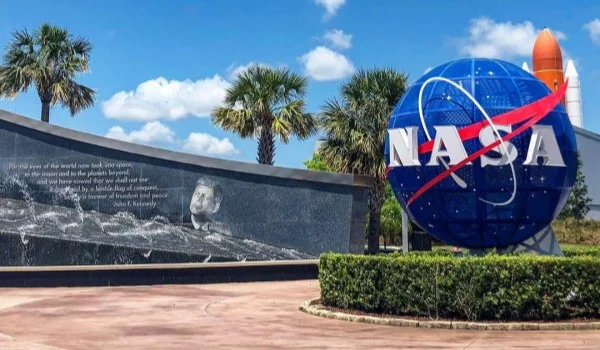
pixel 573 95
pixel 525 67
pixel 319 142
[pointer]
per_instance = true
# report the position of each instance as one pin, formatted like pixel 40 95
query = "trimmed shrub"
pixel 593 251
pixel 493 287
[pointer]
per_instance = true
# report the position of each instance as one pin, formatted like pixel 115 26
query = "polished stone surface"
pixel 225 316
pixel 61 184
pixel 158 273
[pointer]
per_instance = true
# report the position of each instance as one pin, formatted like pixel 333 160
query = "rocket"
pixel 548 67
pixel 547 60
pixel 573 95
pixel 320 141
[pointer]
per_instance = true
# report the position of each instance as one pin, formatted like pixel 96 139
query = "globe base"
pixel 543 243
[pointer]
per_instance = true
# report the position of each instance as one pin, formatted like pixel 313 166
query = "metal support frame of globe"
pixel 404 232
pixel 542 243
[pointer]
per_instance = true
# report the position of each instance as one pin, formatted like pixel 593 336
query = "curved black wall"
pixel 70 193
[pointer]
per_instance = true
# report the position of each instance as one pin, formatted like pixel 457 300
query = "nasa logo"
pixel 448 140
pixel 481 172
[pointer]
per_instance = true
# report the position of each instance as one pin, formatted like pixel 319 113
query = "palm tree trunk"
pixel 45 110
pixel 374 224
pixel 45 98
pixel 266 146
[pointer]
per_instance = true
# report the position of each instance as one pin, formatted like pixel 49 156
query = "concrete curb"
pixel 314 307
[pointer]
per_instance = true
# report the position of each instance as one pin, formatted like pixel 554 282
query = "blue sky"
pixel 196 46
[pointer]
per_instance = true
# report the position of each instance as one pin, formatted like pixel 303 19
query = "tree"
pixel 391 217
pixel 266 102
pixel 316 163
pixel 578 204
pixel 50 59
pixel 355 128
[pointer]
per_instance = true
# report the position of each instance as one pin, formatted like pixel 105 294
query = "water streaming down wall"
pixel 72 198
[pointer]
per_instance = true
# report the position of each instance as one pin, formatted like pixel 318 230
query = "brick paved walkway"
pixel 223 316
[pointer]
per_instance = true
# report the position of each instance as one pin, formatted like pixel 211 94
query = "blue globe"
pixel 463 215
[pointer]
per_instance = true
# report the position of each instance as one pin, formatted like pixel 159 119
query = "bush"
pixel 592 251
pixel 493 287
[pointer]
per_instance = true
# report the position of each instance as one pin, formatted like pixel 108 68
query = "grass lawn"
pixel 563 245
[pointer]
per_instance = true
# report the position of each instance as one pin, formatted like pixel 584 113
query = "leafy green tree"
pixel 265 102
pixel 391 217
pixel 316 163
pixel 578 204
pixel 50 59
pixel 355 129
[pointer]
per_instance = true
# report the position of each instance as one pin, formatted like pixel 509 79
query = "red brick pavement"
pixel 224 316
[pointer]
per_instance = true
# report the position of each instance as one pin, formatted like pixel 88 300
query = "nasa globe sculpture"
pixel 481 154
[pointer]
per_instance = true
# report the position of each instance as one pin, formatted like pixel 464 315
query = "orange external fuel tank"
pixel 547 60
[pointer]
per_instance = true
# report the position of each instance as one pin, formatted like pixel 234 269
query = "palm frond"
pixel 74 96
pixel 51 60
pixel 81 47
pixel 20 48
pixel 356 126
pixel 365 84
pixel 235 120
pixel 20 65
pixel 282 128
pixel 287 85
pixel 270 98
pixel 301 124
pixel 14 79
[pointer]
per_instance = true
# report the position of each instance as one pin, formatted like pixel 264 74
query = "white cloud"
pixel 337 38
pixel 488 38
pixel 167 99
pixel 331 6
pixel 323 64
pixel 156 132
pixel 152 132
pixel 205 144
pixel 593 28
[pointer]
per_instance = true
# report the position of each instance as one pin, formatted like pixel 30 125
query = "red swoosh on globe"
pixel 532 113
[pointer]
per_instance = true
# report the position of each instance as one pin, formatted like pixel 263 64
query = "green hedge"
pixel 493 287
pixel 593 251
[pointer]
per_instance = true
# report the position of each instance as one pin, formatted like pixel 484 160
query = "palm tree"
pixel 50 59
pixel 266 102
pixel 356 128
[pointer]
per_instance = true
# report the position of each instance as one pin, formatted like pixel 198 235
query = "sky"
pixel 160 67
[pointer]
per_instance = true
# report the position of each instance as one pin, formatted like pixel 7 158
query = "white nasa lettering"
pixel 404 148
pixel 447 137
pixel 543 144
pixel 447 143
pixel 487 137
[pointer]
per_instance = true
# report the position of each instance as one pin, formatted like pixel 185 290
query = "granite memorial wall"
pixel 68 197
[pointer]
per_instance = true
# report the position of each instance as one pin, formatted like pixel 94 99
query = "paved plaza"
pixel 224 316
